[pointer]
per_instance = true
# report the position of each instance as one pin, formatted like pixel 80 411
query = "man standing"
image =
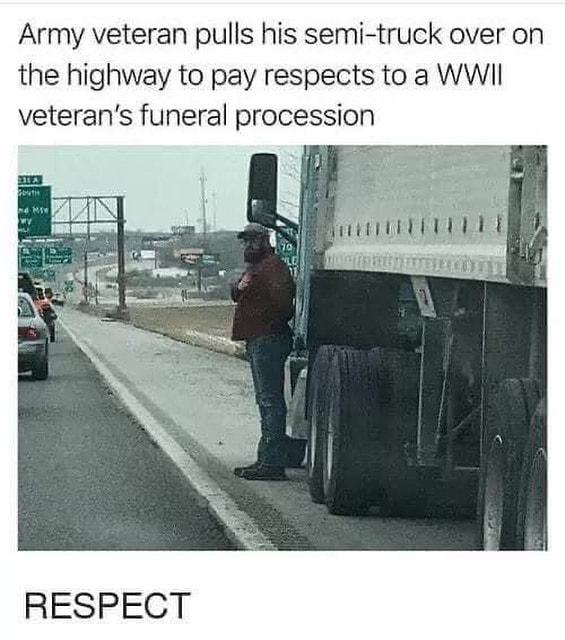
pixel 264 296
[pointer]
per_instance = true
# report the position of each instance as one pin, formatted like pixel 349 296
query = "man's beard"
pixel 253 255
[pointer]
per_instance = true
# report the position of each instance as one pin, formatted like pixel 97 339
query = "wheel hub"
pixel 329 444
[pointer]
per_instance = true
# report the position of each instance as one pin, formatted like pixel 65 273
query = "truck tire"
pixel 509 416
pixel 317 420
pixel 40 370
pixel 345 455
pixel 532 499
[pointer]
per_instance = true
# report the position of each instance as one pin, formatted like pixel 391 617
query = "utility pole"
pixel 214 210
pixel 203 205
pixel 87 220
pixel 85 289
pixel 199 282
pixel 122 309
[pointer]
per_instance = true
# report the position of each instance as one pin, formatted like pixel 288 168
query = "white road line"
pixel 238 526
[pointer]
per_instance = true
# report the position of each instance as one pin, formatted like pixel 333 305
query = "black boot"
pixel 263 472
pixel 239 470
pixel 295 451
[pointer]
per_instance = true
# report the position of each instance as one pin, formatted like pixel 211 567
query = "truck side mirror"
pixel 262 189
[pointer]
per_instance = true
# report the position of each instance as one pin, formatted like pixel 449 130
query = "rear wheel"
pixel 509 416
pixel 40 370
pixel 532 501
pixel 346 475
pixel 318 419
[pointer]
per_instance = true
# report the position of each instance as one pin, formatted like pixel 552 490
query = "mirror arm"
pixel 289 223
pixel 286 235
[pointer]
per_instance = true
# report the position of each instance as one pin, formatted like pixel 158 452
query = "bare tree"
pixel 289 167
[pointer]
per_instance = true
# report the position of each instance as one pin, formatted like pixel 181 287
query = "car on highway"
pixel 46 310
pixel 59 299
pixel 33 339
pixel 25 284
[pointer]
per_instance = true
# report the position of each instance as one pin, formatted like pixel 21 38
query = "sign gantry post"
pixel 122 309
pixel 97 209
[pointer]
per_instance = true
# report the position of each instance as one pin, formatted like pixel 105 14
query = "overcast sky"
pixel 161 184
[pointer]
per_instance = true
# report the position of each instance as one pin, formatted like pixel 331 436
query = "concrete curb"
pixel 239 528
pixel 201 340
pixel 194 338
pixel 216 343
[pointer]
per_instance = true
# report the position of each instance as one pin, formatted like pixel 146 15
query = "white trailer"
pixel 421 313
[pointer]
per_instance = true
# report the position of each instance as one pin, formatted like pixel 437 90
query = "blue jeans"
pixel 267 355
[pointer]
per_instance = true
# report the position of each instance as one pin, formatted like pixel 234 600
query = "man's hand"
pixel 244 282
pixel 238 287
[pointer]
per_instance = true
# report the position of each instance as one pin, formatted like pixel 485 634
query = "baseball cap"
pixel 253 229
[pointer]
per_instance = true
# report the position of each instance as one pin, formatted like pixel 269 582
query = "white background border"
pixel 282 595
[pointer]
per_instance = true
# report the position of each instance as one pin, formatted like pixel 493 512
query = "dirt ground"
pixel 176 321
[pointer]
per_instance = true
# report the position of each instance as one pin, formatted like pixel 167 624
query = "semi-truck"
pixel 420 330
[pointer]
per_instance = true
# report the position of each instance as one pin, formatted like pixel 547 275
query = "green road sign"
pixel 30 180
pixel 209 260
pixel 34 211
pixel 58 255
pixel 287 251
pixel 31 257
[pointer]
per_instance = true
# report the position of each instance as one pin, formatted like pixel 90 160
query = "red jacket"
pixel 264 296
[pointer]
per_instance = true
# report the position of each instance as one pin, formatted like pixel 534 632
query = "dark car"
pixel 33 339
pixel 25 285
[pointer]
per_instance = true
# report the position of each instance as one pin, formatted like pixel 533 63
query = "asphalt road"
pixel 205 402
pixel 90 478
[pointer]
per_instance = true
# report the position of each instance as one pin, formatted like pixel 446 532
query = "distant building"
pixel 169 272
